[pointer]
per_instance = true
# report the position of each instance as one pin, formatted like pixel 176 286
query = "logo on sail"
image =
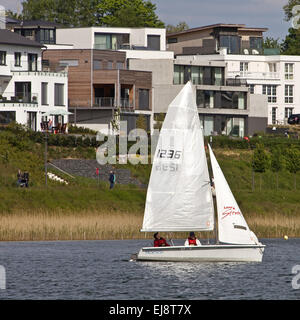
pixel 230 211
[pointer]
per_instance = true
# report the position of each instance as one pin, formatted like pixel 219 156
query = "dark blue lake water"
pixel 102 270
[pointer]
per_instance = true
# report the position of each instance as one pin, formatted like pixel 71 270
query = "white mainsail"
pixel 179 194
pixel 232 227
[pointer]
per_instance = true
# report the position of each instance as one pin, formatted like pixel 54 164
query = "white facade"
pixel 26 92
pixel 276 76
pixel 137 47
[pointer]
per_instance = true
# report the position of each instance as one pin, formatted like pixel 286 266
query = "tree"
pixel 83 13
pixel 291 44
pixel 292 157
pixel 276 162
pixel 271 43
pixel 181 26
pixel 13 15
pixel 129 13
pixel 260 161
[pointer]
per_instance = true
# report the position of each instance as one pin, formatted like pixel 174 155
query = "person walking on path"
pixel 112 179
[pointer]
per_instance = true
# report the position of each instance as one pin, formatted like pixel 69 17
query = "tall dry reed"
pixel 91 225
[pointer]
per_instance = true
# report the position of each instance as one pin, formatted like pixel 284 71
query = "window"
pixel 274 113
pixel 109 64
pixel 243 66
pixel 232 43
pixel 144 99
pixel 256 44
pixel 120 65
pixel 217 76
pixel 178 74
pixel 172 40
pixel 251 88
pixel 289 71
pixel 153 42
pixel 32 62
pixel 58 94
pixel 2 58
pixel 97 64
pixel 44 93
pixel 288 112
pixel 270 91
pixel 7 117
pixel 110 41
pixel 17 59
pixel 68 63
pixel 288 93
pixel 205 98
pixel 197 75
pixel 235 127
pixel 47 36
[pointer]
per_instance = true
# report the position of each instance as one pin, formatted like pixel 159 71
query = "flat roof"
pixel 218 25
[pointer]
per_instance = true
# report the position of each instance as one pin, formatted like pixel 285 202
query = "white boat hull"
pixel 204 253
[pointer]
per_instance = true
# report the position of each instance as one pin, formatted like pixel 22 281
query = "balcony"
pixel 254 75
pixel 17 99
pixel 104 102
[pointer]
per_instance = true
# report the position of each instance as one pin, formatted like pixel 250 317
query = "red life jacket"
pixel 160 243
pixel 192 242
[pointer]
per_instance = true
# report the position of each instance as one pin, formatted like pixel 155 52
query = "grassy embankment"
pixel 85 210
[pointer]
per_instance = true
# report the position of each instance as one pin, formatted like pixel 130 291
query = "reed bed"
pixel 91 225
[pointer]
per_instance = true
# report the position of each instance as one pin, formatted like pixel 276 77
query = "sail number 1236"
pixel 168 154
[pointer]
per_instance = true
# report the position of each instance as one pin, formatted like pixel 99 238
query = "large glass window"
pixel 111 41
pixel 47 36
pixel 232 43
pixel 256 43
pixel 178 74
pixel 218 76
pixel 207 123
pixel 235 127
pixel 197 75
pixel 59 94
pixel 205 98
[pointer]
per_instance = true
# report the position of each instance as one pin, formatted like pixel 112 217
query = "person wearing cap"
pixel 192 240
pixel 159 241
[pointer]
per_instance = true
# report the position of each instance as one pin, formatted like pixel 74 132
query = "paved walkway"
pixel 87 168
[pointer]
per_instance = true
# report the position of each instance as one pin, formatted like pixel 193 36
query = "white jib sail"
pixel 232 227
pixel 179 194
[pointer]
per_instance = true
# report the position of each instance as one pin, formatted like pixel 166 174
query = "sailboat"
pixel 179 196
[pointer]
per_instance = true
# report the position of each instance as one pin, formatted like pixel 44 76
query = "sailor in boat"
pixel 159 241
pixel 192 240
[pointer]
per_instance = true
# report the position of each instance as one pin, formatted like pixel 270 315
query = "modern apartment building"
pixel 100 85
pixel 225 107
pixel 264 71
pixel 100 82
pixel 26 91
